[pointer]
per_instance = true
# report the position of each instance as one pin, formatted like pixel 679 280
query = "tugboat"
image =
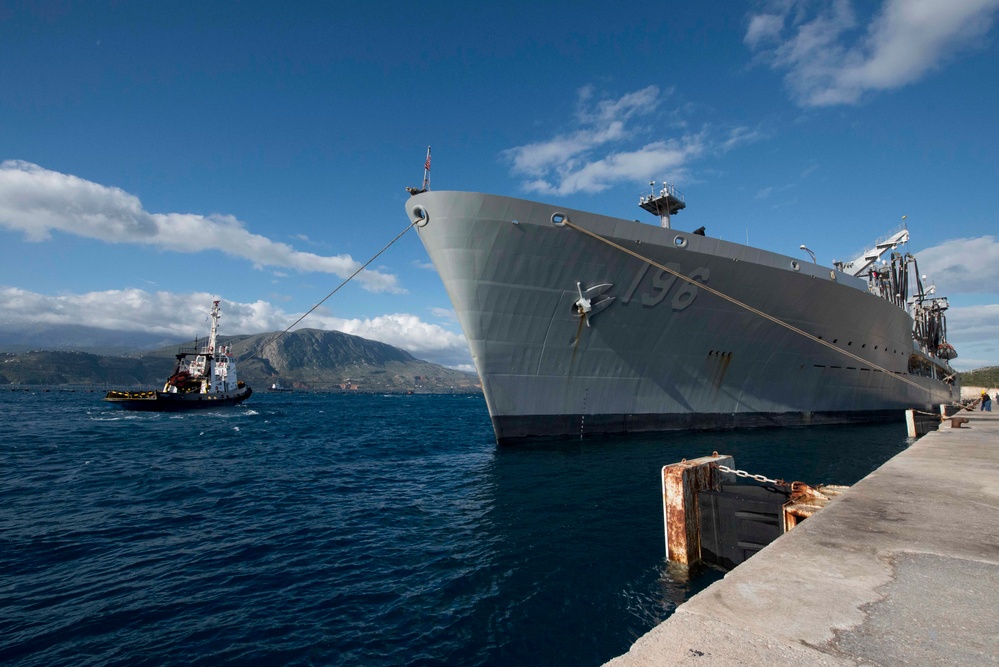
pixel 203 377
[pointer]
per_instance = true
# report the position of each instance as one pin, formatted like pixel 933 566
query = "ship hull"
pixel 161 401
pixel 657 353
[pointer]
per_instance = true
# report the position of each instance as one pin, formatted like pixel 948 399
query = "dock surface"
pixel 903 569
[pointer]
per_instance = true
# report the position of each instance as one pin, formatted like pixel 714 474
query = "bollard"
pixel 806 500
pixel 681 517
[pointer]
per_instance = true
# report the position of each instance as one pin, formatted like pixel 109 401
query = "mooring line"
pixel 347 280
pixel 746 306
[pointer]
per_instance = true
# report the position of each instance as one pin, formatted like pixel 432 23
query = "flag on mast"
pixel 426 171
pixel 426 178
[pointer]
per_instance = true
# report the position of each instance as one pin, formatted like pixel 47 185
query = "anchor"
pixel 590 302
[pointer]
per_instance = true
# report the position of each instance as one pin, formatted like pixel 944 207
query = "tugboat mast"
pixel 212 337
pixel 668 202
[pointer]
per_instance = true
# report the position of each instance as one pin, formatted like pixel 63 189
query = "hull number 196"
pixel 661 285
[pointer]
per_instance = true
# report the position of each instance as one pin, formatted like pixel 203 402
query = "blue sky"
pixel 157 154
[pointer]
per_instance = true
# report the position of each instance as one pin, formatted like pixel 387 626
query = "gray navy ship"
pixel 582 324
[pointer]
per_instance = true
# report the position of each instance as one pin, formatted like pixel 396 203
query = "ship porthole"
pixel 795 266
pixel 680 242
pixel 420 216
pixel 559 219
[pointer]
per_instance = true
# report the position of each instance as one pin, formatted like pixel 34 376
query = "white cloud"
pixel 977 324
pixel 965 265
pixel 740 136
pixel 973 332
pixel 408 332
pixel 570 162
pixel 830 58
pixel 637 166
pixel 445 314
pixel 609 111
pixel 185 315
pixel 763 28
pixel 967 269
pixel 124 310
pixel 600 123
pixel 773 190
pixel 37 201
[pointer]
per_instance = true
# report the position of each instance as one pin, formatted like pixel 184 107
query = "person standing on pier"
pixel 986 402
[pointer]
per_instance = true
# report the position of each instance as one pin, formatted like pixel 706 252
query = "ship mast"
pixel 426 178
pixel 212 337
pixel 426 172
pixel 668 202
pixel 218 371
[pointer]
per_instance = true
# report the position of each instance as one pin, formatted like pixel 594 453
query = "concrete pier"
pixel 902 569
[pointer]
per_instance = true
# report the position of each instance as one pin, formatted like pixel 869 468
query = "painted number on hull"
pixel 662 284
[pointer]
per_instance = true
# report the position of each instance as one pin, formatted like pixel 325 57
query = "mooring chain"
pixel 758 478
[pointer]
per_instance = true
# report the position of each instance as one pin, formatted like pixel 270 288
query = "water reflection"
pixel 578 529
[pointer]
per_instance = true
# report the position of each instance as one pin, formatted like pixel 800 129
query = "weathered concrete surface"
pixel 903 569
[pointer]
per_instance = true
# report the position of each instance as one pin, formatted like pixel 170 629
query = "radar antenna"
pixel 668 202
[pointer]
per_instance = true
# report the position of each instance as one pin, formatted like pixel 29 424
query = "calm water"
pixel 340 530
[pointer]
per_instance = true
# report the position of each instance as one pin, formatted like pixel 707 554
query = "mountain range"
pixel 304 359
pixel 68 337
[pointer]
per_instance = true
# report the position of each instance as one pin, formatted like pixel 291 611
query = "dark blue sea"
pixel 328 529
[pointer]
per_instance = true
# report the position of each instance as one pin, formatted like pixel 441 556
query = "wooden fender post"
pixel 681 515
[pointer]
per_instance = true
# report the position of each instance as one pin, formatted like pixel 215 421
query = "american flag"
pixel 426 165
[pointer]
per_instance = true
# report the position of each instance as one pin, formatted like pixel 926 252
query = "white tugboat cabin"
pixel 203 377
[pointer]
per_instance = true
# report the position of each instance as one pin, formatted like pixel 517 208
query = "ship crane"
pixel 868 257
pixel 668 202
